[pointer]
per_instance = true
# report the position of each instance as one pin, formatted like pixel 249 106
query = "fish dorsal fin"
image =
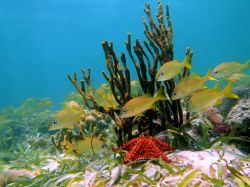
pixel 187 61
pixel 208 76
pixel 145 96
pixel 194 75
pixel 176 60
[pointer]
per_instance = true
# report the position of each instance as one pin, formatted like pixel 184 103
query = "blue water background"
pixel 43 40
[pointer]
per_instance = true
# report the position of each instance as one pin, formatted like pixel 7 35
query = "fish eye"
pixel 174 94
pixel 124 111
pixel 54 122
pixel 161 74
pixel 216 72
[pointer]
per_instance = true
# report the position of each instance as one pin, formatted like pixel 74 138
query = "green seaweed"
pixel 189 177
pixel 18 124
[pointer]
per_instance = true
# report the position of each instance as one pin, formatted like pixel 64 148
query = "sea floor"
pixel 222 165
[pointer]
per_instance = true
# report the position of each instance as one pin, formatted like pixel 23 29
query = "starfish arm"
pixel 153 152
pixel 132 154
pixel 164 146
pixel 146 147
pixel 165 158
pixel 129 145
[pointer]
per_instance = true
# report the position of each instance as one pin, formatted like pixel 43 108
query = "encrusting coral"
pixel 158 50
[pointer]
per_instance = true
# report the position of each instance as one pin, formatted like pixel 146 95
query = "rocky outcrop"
pixel 240 116
pixel 227 103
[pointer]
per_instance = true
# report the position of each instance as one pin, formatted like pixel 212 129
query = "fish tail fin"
pixel 187 62
pixel 160 95
pixel 208 76
pixel 228 93
pixel 247 64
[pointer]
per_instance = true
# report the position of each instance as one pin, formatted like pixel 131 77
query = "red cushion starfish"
pixel 145 147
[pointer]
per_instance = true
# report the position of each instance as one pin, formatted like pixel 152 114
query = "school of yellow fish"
pixel 193 86
pixel 200 96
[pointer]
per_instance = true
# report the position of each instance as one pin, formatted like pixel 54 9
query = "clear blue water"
pixel 43 40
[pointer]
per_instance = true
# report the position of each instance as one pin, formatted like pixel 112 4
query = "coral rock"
pixel 240 113
pixel 228 103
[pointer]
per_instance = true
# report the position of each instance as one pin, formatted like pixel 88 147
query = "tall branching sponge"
pixel 147 57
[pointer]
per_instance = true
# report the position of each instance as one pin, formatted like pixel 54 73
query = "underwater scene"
pixel 124 93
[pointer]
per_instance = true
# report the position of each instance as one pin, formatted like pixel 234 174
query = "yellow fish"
pixel 228 68
pixel 170 69
pixel 238 77
pixel 140 104
pixel 209 90
pixel 102 89
pixel 190 85
pixel 69 117
pixel 104 96
pixel 84 146
pixel 200 101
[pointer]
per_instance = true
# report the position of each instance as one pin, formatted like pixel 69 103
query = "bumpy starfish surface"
pixel 146 147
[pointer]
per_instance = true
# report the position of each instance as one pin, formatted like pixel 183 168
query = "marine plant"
pixel 156 50
pixel 93 170
pixel 19 123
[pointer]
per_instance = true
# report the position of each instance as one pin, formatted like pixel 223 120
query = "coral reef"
pixel 158 50
pixel 89 125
